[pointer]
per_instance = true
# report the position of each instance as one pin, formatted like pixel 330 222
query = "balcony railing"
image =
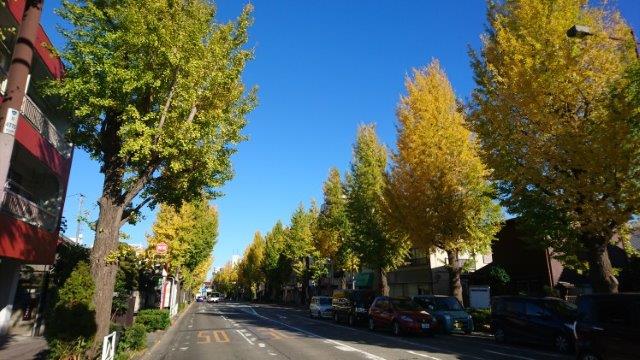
pixel 37 118
pixel 25 210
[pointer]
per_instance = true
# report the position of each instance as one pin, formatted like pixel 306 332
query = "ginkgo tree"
pixel 155 94
pixel 371 238
pixel 438 190
pixel 332 230
pixel 555 127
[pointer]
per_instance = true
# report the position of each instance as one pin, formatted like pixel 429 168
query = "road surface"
pixel 250 331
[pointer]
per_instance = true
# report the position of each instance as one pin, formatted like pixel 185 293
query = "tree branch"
pixel 192 114
pixel 127 214
pixel 167 105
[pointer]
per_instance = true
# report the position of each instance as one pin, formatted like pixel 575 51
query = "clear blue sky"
pixel 322 67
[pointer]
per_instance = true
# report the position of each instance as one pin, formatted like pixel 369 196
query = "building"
pixel 536 271
pixel 35 160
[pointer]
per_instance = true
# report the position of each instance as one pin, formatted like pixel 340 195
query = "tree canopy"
pixel 561 140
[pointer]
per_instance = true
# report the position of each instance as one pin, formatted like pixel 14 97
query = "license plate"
pixel 425 325
pixel 457 325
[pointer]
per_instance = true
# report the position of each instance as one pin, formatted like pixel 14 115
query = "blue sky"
pixel 322 68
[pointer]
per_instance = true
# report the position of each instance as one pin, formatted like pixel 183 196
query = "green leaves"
pixel 371 239
pixel 155 90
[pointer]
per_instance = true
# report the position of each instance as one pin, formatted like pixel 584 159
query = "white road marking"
pixel 184 348
pixel 366 354
pixel 245 336
pixel 423 355
pixel 343 348
pixel 509 355
pixel 261 345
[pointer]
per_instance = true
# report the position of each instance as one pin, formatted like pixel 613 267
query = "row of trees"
pixel 434 194
pixel 154 93
pixel 551 133
pixel 190 231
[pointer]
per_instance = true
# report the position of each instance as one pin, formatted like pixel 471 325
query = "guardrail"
pixel 40 121
pixel 26 210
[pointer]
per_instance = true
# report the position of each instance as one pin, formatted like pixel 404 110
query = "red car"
pixel 401 315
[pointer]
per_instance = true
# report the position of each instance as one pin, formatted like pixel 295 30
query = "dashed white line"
pixel 368 355
pixel 509 355
pixel 423 355
pixel 261 345
pixel 245 336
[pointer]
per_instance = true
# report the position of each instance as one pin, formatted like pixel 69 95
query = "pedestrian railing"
pixel 42 124
pixel 26 210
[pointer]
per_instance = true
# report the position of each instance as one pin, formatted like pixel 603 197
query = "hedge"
pixel 153 319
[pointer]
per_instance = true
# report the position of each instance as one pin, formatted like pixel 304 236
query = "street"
pixel 256 331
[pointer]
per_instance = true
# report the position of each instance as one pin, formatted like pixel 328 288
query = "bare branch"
pixel 127 214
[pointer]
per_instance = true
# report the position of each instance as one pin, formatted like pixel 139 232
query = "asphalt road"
pixel 249 331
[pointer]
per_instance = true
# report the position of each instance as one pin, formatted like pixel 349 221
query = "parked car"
pixel 608 326
pixel 547 321
pixel 351 305
pixel 448 311
pixel 320 306
pixel 214 297
pixel 401 315
pixel 199 298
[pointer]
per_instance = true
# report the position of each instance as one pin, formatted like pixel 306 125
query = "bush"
pixel 133 338
pixel 481 319
pixel 153 319
pixel 71 323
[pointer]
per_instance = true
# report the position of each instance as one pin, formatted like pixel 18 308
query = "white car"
pixel 214 298
pixel 320 307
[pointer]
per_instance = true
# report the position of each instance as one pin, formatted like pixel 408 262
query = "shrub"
pixel 133 338
pixel 481 319
pixel 71 324
pixel 153 319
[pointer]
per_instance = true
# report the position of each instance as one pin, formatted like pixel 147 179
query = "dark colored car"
pixel 547 321
pixel 401 315
pixel 351 305
pixel 448 311
pixel 608 326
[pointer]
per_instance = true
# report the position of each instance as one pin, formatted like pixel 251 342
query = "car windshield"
pixel 324 301
pixel 405 305
pixel 215 294
pixel 447 304
pixel 562 307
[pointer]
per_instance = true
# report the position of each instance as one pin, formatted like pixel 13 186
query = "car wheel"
pixel 561 343
pixel 352 320
pixel 372 325
pixel 336 318
pixel 396 329
pixel 499 335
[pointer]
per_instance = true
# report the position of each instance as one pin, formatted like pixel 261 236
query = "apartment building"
pixel 35 160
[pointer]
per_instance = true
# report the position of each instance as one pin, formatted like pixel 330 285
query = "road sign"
pixel 161 248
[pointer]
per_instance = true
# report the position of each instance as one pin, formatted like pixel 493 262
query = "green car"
pixel 448 311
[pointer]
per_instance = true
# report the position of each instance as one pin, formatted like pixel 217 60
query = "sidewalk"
pixel 158 341
pixel 23 347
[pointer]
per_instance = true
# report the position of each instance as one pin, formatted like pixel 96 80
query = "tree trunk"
pixel 600 270
pixel 343 282
pixel 383 286
pixel 455 286
pixel 104 274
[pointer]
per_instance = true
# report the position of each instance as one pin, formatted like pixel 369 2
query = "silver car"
pixel 320 307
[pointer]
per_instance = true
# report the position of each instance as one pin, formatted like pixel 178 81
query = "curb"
pixel 171 330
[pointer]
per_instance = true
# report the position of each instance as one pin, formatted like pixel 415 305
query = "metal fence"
pixel 38 119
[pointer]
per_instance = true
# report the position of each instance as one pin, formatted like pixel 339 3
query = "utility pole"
pixel 79 224
pixel 17 76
